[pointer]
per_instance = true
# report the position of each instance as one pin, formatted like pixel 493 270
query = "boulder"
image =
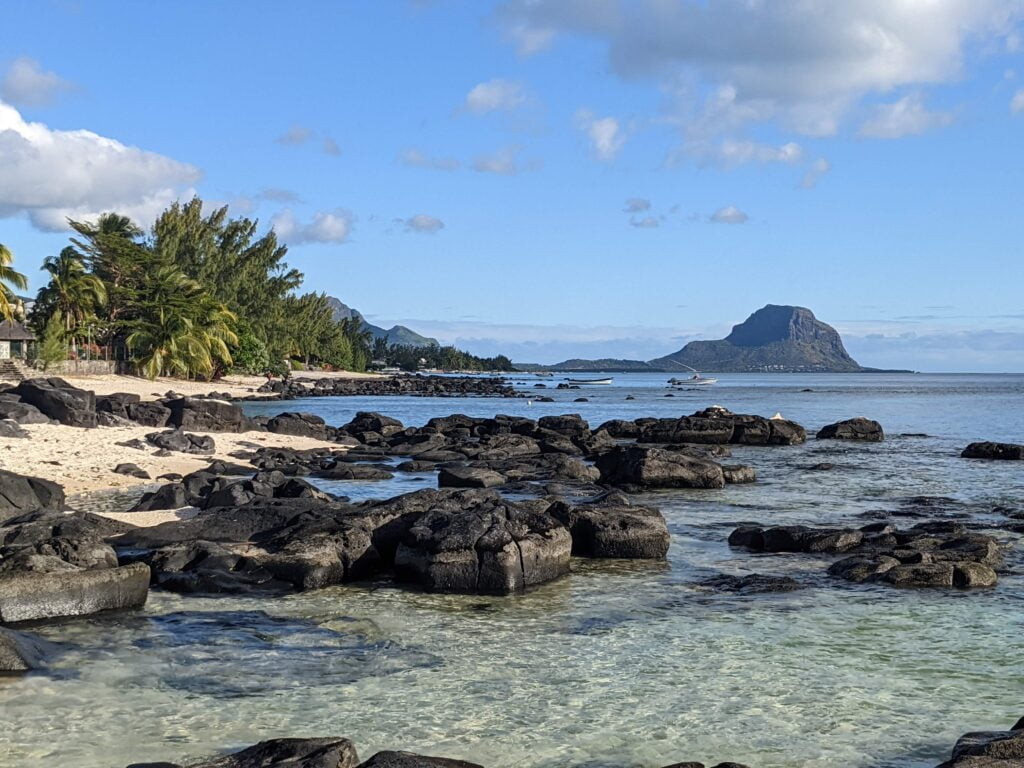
pixel 30 596
pixel 477 542
pixel 298 424
pixel 688 429
pixel 205 415
pixel 58 400
pixel 468 477
pixel 116 404
pixel 570 425
pixel 22 413
pixel 284 753
pixel 647 467
pixel 149 414
pixel 735 474
pixel 989 749
pixel 182 442
pixel 369 421
pixel 995 451
pixel 614 528
pixel 353 472
pixel 864 430
pixel 20 493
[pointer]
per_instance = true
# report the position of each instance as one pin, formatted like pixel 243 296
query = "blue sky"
pixel 556 178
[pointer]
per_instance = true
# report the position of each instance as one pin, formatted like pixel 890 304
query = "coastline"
pixel 83 460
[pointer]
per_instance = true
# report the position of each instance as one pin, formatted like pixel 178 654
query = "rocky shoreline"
pixel 517 501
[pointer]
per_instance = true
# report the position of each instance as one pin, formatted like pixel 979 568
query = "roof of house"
pixel 14 331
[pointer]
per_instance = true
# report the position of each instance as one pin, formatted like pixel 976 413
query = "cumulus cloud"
pixel 729 215
pixel 818 168
pixel 906 117
pixel 637 205
pixel 645 222
pixel 52 175
pixel 416 158
pixel 1017 102
pixel 295 136
pixel 27 84
pixel 423 224
pixel 605 134
pixel 504 162
pixel 804 65
pixel 494 95
pixel 325 227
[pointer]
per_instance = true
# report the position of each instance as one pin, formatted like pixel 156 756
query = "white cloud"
pixel 818 168
pixel 504 162
pixel 494 95
pixel 605 134
pixel 330 146
pixel 646 222
pixel 1017 102
pixel 729 215
pixel 325 227
pixel 423 224
pixel 416 158
pixel 801 65
pixel 52 175
pixel 295 135
pixel 530 40
pixel 637 205
pixel 906 117
pixel 26 84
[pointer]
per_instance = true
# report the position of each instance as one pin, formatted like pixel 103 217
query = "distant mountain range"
pixel 397 335
pixel 774 338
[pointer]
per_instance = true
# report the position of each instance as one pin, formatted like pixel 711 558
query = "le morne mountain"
pixel 774 338
pixel 395 336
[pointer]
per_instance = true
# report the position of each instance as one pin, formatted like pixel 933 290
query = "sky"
pixel 557 178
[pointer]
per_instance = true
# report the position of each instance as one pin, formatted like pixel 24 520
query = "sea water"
pixel 619 663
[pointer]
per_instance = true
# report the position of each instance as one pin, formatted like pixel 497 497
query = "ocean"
pixel 620 663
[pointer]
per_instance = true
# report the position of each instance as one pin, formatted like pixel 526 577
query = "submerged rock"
pixel 20 652
pixel 751 584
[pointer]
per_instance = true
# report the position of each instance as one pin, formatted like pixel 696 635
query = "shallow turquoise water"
pixel 623 664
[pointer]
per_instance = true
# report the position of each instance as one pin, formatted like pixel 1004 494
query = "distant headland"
pixel 774 339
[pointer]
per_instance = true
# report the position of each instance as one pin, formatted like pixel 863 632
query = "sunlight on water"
pixel 619 664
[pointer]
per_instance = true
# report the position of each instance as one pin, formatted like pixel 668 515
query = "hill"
pixel 397 335
pixel 774 338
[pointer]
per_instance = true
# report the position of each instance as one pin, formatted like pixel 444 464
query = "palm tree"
pixel 180 329
pixel 8 276
pixel 72 293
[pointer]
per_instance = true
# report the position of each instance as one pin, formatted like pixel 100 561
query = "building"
pixel 14 340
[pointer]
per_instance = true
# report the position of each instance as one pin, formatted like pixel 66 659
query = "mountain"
pixel 774 338
pixel 397 335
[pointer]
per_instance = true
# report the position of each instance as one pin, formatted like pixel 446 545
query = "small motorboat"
pixel 582 382
pixel 693 381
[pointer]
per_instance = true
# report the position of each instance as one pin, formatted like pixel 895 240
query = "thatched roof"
pixel 14 331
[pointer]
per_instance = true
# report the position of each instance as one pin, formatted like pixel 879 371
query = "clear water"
pixel 619 664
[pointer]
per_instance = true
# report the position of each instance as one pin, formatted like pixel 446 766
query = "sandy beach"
pixel 83 460
pixel 235 385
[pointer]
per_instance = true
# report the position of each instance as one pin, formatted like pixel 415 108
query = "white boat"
pixel 693 381
pixel 579 382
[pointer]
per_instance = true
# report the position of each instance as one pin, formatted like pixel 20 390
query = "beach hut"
pixel 14 340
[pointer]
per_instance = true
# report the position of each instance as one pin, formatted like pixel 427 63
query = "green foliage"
pixel 445 358
pixel 9 276
pixel 53 345
pixel 250 356
pixel 199 293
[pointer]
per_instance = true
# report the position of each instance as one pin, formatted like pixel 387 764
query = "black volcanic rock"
pixel 777 337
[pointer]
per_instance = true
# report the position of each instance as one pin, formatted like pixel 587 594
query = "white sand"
pixel 236 386
pixel 83 459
